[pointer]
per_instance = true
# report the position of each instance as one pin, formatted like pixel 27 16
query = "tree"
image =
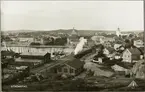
pixel 33 43
pixel 49 41
pixel 131 35
pixel 124 36
pixel 128 43
pixel 6 38
pixel 57 41
pixel 2 38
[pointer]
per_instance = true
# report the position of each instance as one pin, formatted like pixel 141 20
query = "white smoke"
pixel 80 45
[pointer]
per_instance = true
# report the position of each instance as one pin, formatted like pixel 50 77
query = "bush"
pixel 33 43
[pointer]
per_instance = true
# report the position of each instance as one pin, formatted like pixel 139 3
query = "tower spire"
pixel 118 33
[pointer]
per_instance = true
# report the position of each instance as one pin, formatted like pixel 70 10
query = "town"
pixel 71 59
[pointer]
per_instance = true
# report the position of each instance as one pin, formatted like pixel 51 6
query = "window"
pixel 71 71
pixel 65 70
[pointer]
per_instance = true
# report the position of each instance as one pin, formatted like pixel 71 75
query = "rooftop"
pixel 110 49
pixel 75 63
pixel 134 51
pixel 32 54
pixel 7 53
pixel 27 60
pixel 66 58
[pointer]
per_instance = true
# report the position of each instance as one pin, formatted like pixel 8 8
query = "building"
pixel 109 39
pixel 119 34
pixel 138 43
pixel 102 39
pixel 15 69
pixel 140 34
pixel 109 50
pixel 131 55
pixel 119 69
pixel 74 33
pixel 14 38
pixel 100 60
pixel 27 62
pixel 142 50
pixel 38 40
pixel 41 56
pixel 138 69
pixel 98 39
pixel 117 56
pixel 121 48
pixel 7 57
pixel 116 46
pixel 32 59
pixel 71 67
pixel 107 44
pixel 26 39
pixel 90 43
pixel 7 54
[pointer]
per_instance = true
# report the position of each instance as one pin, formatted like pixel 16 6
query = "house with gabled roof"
pixel 71 67
pixel 131 55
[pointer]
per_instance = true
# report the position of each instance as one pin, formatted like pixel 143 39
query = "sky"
pixel 85 15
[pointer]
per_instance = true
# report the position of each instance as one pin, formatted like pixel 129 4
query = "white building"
pixel 117 46
pixel 118 33
pixel 26 39
pixel 138 43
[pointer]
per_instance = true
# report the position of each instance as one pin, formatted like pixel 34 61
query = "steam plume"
pixel 80 45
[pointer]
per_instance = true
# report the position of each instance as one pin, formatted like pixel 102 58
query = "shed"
pixel 71 67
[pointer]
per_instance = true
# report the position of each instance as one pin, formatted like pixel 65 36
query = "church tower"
pixel 74 32
pixel 118 33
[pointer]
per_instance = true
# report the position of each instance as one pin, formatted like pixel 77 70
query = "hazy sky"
pixel 93 15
